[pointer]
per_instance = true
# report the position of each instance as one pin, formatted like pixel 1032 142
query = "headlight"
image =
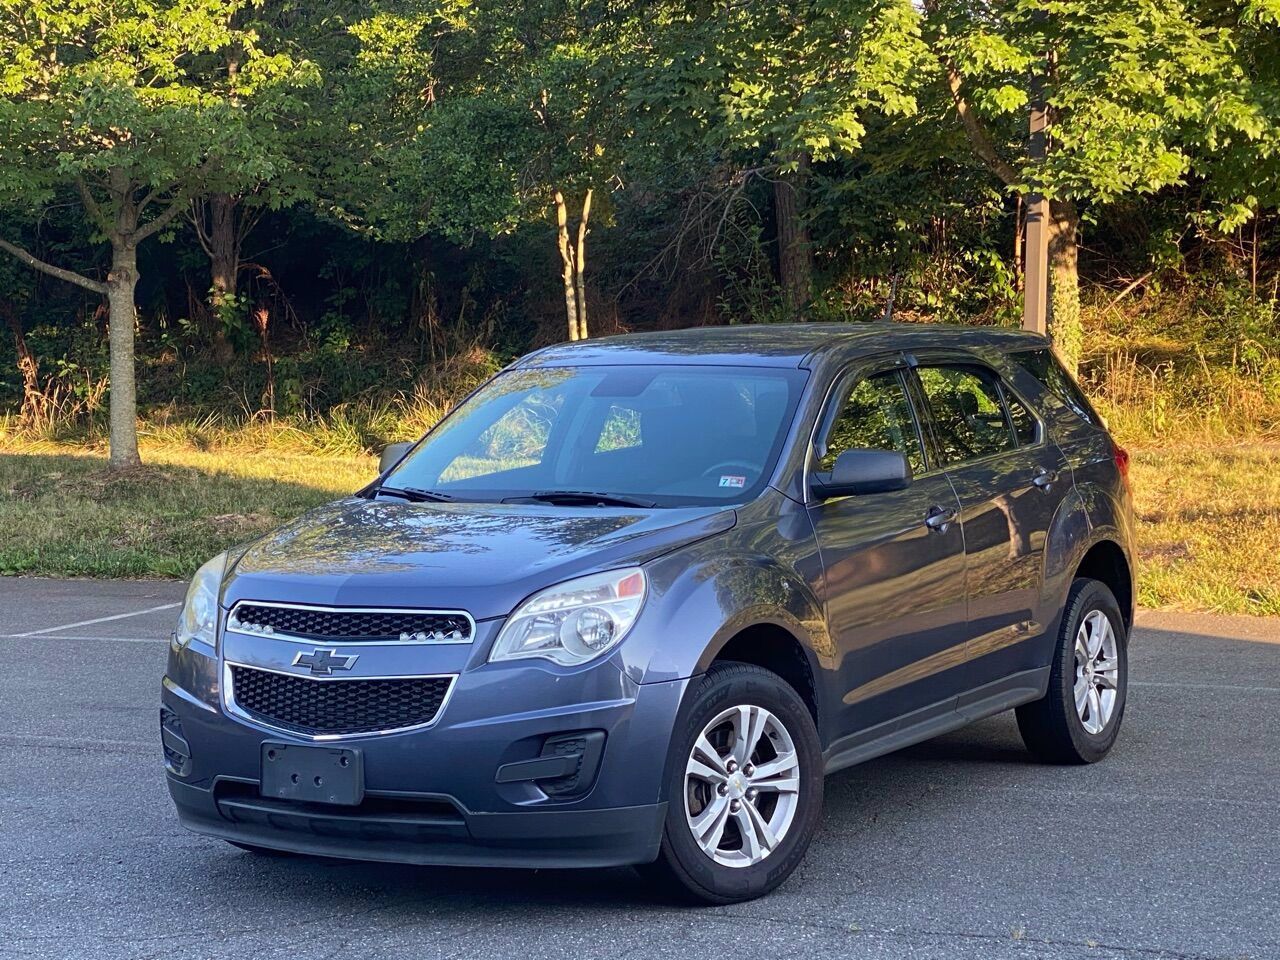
pixel 574 622
pixel 199 617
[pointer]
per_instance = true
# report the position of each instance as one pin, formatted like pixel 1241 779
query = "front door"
pixel 1010 480
pixel 893 566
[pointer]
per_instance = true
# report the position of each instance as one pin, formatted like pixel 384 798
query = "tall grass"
pixel 361 425
pixel 1187 403
pixel 1187 367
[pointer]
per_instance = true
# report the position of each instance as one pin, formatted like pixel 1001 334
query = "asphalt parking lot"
pixel 961 847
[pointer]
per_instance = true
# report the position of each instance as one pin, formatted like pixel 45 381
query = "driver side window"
pixel 875 415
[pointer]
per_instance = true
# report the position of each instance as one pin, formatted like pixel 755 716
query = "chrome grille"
pixel 350 624
pixel 336 707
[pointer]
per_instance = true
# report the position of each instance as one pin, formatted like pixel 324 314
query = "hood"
pixel 480 557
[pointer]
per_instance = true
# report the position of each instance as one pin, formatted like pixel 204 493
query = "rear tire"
pixel 744 788
pixel 1078 718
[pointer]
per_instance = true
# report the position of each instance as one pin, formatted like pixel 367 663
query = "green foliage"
pixel 137 94
pixel 481 109
pixel 1142 94
pixel 403 157
pixel 780 78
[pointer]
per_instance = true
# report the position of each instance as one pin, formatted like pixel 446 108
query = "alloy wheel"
pixel 742 786
pixel 1097 671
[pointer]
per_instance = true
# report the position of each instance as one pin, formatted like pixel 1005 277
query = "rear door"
pixel 1009 479
pixel 894 585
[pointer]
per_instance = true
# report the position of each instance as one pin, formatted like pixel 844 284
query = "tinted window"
pixel 1024 422
pixel 673 435
pixel 877 416
pixel 1044 366
pixel 968 418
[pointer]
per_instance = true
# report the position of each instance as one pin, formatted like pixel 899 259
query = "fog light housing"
pixel 177 752
pixel 565 768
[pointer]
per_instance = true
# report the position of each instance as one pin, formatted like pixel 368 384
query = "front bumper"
pixel 618 836
pixel 434 796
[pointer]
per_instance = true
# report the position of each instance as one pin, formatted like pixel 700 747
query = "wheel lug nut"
pixel 732 766
pixel 735 806
pixel 752 793
pixel 749 770
pixel 722 789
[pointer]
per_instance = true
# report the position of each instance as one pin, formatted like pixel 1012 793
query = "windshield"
pixel 665 436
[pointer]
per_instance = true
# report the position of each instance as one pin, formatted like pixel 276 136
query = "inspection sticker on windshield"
pixel 733 481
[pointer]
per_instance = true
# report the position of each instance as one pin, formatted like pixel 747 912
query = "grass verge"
pixel 63 514
pixel 1208 517
pixel 1209 528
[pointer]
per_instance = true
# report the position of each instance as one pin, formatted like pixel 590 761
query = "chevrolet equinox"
pixel 634 597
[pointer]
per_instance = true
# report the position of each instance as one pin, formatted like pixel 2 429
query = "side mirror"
pixel 391 455
pixel 863 471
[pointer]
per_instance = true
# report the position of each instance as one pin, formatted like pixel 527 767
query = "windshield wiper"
pixel 415 494
pixel 585 498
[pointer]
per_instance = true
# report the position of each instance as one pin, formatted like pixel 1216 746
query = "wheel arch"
pixel 1106 562
pixel 776 649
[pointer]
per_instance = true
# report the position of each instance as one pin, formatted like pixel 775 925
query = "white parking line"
pixel 25 636
pixel 86 623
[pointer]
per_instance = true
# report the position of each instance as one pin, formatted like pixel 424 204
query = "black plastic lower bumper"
pixel 423 830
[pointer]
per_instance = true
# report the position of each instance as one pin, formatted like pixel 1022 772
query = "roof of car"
pixel 772 345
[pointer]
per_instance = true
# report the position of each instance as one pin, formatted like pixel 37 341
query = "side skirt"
pixel 1004 694
pixel 937 719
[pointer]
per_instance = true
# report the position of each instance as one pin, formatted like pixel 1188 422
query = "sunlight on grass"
pixel 68 516
pixel 1209 528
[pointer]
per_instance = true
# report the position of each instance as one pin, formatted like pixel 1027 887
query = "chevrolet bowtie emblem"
pixel 324 662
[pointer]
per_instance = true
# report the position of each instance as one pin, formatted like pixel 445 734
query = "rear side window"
pixel 968 417
pixel 1024 422
pixel 1044 366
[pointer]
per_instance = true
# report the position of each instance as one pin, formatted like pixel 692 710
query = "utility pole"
pixel 1035 288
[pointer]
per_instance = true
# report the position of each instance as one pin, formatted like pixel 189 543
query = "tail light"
pixel 1121 456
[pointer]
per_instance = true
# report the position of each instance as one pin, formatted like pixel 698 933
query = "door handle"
pixel 939 518
pixel 1044 479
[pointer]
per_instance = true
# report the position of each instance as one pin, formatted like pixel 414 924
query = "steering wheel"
pixel 720 467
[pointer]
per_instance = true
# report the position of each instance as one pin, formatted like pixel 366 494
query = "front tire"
pixel 744 785
pixel 1078 719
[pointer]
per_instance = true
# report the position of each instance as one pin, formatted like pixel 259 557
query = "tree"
pixel 1138 93
pixel 294 129
pixel 478 118
pixel 774 87
pixel 130 103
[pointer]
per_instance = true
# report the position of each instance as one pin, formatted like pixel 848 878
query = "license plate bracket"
pixel 312 774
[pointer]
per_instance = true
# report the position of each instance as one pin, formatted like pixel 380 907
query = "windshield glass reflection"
pixel 641 435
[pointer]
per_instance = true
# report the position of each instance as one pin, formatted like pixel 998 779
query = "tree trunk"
pixel 223 247
pixel 795 253
pixel 566 263
pixel 221 227
pixel 580 267
pixel 1064 284
pixel 122 283
pixel 123 226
